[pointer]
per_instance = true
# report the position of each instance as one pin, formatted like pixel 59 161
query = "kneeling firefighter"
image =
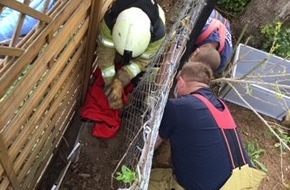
pixel 133 30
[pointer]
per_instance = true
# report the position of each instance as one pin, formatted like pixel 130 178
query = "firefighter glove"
pixel 114 94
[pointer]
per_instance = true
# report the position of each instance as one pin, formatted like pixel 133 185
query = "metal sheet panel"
pixel 264 82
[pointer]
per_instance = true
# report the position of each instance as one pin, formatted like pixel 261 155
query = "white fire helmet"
pixel 131 32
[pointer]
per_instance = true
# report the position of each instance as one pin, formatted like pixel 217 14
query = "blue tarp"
pixel 9 19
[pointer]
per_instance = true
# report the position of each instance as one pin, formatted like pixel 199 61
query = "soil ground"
pixel 98 158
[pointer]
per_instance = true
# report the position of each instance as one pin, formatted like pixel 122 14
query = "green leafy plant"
pixel 277 39
pixel 284 136
pixel 126 175
pixel 255 152
pixel 233 6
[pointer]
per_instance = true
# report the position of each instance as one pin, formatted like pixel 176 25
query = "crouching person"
pixel 132 30
pixel 215 36
pixel 206 149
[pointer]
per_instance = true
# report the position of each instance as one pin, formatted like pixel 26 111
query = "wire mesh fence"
pixel 141 119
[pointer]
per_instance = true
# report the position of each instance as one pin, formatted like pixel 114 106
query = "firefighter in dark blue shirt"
pixel 215 35
pixel 205 143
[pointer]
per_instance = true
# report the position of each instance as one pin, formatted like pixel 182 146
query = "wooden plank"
pixel 91 44
pixel 1 171
pixel 62 122
pixel 58 109
pixel 35 99
pixel 6 162
pixel 61 119
pixel 7 78
pixel 25 9
pixel 105 6
pixel 34 161
pixel 19 25
pixel 10 51
pixel 45 104
pixel 57 134
pixel 59 113
pixel 4 183
pixel 55 46
pixel 17 122
pixel 29 38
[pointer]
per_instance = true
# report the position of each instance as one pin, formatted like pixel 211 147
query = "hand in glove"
pixel 107 83
pixel 114 94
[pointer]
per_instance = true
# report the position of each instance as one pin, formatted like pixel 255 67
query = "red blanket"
pixel 96 108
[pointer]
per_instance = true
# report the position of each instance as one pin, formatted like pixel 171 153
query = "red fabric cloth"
pixel 96 107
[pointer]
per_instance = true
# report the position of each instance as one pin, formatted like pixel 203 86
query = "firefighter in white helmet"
pixel 134 29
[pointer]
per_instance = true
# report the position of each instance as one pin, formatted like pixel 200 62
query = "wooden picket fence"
pixel 43 79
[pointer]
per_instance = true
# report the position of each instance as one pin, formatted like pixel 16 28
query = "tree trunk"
pixel 259 13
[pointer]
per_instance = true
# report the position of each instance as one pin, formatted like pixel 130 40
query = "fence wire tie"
pixel 140 149
pixel 54 187
pixel 139 173
pixel 147 130
pixel 78 144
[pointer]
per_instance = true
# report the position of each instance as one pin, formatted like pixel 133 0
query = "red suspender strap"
pixel 214 24
pixel 240 147
pixel 229 149
pixel 224 121
pixel 223 118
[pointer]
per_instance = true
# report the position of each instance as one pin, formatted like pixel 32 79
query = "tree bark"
pixel 259 13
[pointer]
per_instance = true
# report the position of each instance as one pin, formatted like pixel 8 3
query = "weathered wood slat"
pixel 95 17
pixel 23 158
pixel 41 90
pixel 25 9
pixel 19 26
pixel 1 171
pixel 19 142
pixel 7 78
pixel 39 66
pixel 73 83
pixel 5 183
pixel 106 4
pixel 11 51
pixel 61 120
pixel 42 101
pixel 6 162
pixel 28 39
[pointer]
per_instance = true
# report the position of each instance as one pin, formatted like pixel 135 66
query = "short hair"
pixel 208 55
pixel 196 71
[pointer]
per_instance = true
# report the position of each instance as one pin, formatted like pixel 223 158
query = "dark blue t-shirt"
pixel 199 155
